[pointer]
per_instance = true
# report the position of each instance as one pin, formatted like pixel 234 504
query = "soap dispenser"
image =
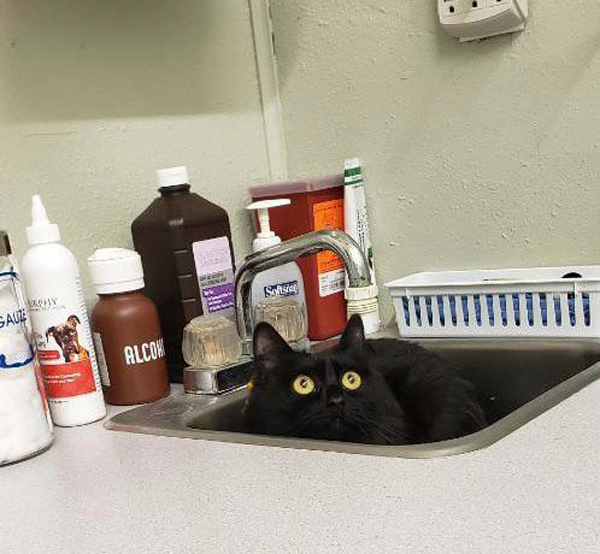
pixel 281 281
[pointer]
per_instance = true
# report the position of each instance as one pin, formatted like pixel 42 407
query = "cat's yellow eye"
pixel 303 385
pixel 351 380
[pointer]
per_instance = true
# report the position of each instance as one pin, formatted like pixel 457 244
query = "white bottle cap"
pixel 265 237
pixel 352 163
pixel 116 270
pixel 172 176
pixel 41 230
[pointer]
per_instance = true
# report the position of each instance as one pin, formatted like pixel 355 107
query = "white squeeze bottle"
pixel 284 280
pixel 60 325
pixel 356 224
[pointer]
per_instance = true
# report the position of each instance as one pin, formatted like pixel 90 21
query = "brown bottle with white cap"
pixel 126 329
pixel 187 255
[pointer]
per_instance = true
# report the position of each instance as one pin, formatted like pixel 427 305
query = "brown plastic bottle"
pixel 185 244
pixel 126 330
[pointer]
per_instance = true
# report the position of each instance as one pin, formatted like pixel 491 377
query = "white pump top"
pixel 265 237
pixel 41 230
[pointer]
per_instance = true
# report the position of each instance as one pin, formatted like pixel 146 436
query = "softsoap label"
pixel 290 288
pixel 214 268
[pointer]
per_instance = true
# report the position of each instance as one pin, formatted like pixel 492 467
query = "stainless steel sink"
pixel 517 381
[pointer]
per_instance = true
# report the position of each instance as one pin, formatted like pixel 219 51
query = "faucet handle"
pixel 287 317
pixel 210 341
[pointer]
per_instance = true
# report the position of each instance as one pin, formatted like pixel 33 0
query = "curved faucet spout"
pixel 354 260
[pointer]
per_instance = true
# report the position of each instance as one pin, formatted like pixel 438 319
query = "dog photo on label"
pixel 67 338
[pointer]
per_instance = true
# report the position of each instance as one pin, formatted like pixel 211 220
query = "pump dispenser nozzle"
pixel 41 230
pixel 265 237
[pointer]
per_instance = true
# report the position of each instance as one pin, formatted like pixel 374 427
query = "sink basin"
pixel 517 380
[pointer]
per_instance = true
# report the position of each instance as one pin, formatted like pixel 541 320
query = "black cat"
pixel 382 391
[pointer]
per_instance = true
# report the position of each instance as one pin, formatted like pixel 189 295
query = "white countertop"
pixel 95 491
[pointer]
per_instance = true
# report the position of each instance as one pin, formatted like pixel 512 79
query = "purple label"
pixel 215 275
pixel 218 298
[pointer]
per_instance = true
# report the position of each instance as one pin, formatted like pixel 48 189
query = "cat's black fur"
pixel 408 395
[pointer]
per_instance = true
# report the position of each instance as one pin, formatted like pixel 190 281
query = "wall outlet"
pixel 477 19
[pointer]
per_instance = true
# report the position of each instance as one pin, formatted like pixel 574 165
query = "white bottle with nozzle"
pixel 361 301
pixel 60 325
pixel 284 280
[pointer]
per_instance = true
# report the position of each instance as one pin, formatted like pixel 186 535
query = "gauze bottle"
pixel 25 426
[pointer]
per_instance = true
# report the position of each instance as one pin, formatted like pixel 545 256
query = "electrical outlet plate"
pixel 477 19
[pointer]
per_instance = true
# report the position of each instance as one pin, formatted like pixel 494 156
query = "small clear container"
pixel 25 424
pixel 211 341
pixel 287 317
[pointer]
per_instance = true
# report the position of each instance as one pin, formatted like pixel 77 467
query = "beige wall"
pixel 95 95
pixel 478 155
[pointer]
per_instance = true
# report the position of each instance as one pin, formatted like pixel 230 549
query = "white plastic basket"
pixel 538 302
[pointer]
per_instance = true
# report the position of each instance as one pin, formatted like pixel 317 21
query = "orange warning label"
pixel 328 215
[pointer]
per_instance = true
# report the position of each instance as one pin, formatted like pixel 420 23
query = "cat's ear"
pixel 268 342
pixel 354 335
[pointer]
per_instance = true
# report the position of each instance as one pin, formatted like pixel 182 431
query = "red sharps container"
pixel 315 204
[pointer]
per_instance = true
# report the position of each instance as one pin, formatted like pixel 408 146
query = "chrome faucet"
pixel 354 260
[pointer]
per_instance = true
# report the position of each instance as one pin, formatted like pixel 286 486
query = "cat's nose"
pixel 334 396
pixel 336 400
